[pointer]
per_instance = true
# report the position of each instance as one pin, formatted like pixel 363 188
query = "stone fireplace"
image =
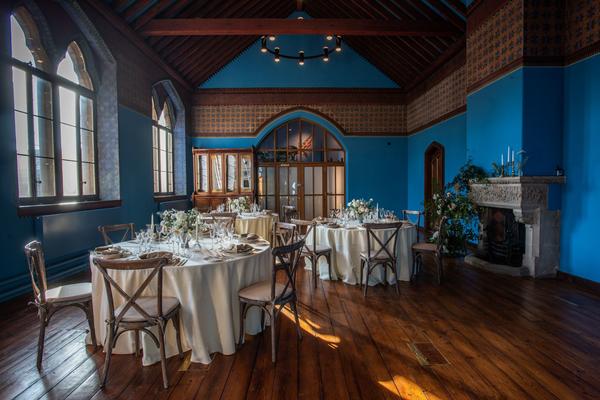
pixel 518 234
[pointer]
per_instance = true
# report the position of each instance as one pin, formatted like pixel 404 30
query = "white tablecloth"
pixel 346 245
pixel 208 293
pixel 261 225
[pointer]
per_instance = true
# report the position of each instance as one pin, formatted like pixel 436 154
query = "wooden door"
pixel 434 173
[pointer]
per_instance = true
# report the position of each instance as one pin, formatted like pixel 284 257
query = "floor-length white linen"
pixel 208 293
pixel 262 225
pixel 346 245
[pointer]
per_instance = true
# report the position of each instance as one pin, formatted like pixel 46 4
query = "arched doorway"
pixel 302 164
pixel 434 173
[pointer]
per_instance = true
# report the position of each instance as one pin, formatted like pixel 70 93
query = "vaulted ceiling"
pixel 406 59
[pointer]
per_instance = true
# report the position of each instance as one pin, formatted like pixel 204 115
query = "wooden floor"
pixel 478 336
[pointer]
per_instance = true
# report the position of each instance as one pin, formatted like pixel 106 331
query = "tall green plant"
pixel 454 203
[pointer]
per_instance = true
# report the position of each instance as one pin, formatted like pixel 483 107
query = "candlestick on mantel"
pixel 152 222
pixel 508 155
pixel 502 159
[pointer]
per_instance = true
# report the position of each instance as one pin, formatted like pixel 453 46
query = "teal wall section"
pixel 495 120
pixel 253 69
pixel 581 160
pixel 452 135
pixel 375 165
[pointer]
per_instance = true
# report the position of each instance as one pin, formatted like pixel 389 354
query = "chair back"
pixel 289 213
pixel 37 270
pixel 380 248
pixel 227 217
pixel 154 264
pixel 414 217
pixel 284 234
pixel 305 228
pixel 125 232
pixel 286 259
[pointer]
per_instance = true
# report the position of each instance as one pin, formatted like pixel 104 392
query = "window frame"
pixel 56 82
pixel 169 131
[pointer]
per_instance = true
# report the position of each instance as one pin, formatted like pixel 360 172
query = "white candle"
pixel 508 155
pixel 502 159
pixel 513 156
pixel 197 225
pixel 152 222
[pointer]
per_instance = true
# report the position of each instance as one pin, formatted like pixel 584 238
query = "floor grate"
pixel 427 354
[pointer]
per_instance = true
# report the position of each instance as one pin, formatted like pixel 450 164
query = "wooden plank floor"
pixel 478 336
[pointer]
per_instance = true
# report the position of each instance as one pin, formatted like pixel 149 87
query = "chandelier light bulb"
pixel 277 59
pixel 272 38
pixel 301 58
pixel 263 44
pixel 325 54
pixel 338 43
pixel 329 37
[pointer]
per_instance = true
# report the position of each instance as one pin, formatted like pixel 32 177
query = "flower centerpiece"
pixel 180 223
pixel 360 207
pixel 240 204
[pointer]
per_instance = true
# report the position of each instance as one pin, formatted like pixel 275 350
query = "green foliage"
pixel 466 174
pixel 454 203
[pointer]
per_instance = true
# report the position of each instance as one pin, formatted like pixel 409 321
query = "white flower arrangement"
pixel 361 207
pixel 240 204
pixel 177 221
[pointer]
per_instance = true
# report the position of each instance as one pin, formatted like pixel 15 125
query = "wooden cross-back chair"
pixel 228 218
pixel 284 233
pixel 271 296
pixel 311 249
pixel 289 213
pixel 138 313
pixel 414 217
pixel 379 251
pixel 436 250
pixel 126 231
pixel 48 301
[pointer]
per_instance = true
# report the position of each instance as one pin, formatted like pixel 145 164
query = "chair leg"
pixel 163 358
pixel 242 327
pixel 362 266
pixel 396 278
pixel 367 279
pixel 295 310
pixel 178 333
pixel 314 261
pixel 43 323
pixel 136 342
pixel 108 344
pixel 328 258
pixel 89 312
pixel 273 341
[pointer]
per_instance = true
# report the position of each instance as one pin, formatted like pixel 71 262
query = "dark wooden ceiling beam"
pixel 135 9
pixel 388 55
pixel 155 10
pixel 284 26
pixel 458 6
pixel 119 24
pixel 448 14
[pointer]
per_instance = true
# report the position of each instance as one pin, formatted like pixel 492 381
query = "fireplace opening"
pixel 504 237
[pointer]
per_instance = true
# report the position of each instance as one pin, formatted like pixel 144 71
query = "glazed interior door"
pixel 434 174
pixel 289 186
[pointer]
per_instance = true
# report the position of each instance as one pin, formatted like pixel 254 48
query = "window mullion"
pixel 58 178
pixel 30 135
pixel 78 144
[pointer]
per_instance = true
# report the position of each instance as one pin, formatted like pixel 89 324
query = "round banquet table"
pixel 346 245
pixel 208 293
pixel 260 224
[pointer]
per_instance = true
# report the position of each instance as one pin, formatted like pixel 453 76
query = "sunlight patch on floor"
pixel 310 328
pixel 407 388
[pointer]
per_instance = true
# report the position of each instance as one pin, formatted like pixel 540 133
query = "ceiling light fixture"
pixel 301 57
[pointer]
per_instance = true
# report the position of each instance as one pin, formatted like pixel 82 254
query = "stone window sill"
pixel 46 209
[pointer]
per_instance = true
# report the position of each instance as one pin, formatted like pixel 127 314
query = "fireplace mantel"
pixel 522 194
pixel 527 197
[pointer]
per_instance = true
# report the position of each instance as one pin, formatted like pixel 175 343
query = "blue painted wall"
pixel 452 134
pixel 255 69
pixel 495 120
pixel 581 159
pixel 375 165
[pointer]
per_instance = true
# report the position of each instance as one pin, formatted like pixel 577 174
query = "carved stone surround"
pixel 527 197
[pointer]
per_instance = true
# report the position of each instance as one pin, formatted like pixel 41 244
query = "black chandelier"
pixel 301 56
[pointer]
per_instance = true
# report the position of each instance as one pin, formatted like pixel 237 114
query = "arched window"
pixel 55 141
pixel 301 164
pixel 162 147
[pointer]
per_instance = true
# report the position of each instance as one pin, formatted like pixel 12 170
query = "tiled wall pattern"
pixel 583 25
pixel 443 98
pixel 544 28
pixel 497 42
pixel 244 120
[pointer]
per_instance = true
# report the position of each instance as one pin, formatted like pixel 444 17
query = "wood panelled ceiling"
pixel 407 60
